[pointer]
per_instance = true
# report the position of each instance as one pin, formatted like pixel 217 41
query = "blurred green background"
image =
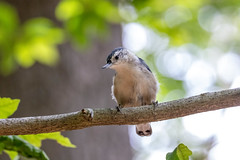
pixel 51 53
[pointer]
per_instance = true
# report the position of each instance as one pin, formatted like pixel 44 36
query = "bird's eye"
pixel 116 57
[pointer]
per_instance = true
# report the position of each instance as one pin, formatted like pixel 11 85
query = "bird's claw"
pixel 119 108
pixel 155 104
pixel 87 113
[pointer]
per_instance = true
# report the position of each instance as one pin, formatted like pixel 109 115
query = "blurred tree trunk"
pixel 76 82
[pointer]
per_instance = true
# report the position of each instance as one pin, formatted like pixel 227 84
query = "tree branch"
pixel 128 116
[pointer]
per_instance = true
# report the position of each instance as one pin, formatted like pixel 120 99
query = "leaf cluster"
pixel 26 145
pixel 37 39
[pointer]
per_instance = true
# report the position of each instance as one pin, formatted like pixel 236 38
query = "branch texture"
pixel 128 116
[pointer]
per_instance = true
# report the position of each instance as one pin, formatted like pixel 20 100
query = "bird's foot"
pixel 119 108
pixel 155 104
pixel 87 113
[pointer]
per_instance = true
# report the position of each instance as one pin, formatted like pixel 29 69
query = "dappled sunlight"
pixel 228 136
pixel 200 76
pixel 177 15
pixel 204 125
pixel 201 70
pixel 158 154
pixel 236 82
pixel 127 12
pixel 228 67
pixel 206 17
pixel 225 33
pixel 131 32
pixel 174 63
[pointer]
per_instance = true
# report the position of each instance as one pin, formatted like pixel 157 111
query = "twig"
pixel 128 116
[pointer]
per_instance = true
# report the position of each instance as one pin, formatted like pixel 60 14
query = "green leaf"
pixel 38 42
pixel 1 147
pixel 110 13
pixel 8 22
pixel 180 153
pixel 37 139
pixel 12 154
pixel 17 144
pixel 8 106
pixel 67 9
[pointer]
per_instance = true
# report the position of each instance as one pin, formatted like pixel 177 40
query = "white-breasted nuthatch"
pixel 133 84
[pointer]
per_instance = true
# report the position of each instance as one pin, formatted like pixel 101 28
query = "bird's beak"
pixel 107 65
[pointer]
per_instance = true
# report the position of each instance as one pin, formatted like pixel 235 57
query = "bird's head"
pixel 119 57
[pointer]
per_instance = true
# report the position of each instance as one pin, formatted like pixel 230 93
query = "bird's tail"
pixel 144 129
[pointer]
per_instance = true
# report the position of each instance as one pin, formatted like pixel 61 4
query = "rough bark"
pixel 127 116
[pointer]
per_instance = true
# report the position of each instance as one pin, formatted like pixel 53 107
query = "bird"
pixel 134 84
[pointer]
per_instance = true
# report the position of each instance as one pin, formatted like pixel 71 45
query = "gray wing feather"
pixel 145 65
